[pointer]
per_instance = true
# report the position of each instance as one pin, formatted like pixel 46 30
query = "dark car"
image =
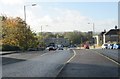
pixel 51 48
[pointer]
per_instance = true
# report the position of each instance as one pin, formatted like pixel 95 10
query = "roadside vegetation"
pixel 17 35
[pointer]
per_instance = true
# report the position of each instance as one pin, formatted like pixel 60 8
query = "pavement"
pixel 8 52
pixel 88 64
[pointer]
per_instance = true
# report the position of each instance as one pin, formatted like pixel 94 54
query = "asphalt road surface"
pixel 45 65
pixel 112 53
pixel 19 57
pixel 88 63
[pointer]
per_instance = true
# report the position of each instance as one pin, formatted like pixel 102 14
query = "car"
pixel 86 46
pixel 116 46
pixel 110 46
pixel 60 47
pixel 47 47
pixel 104 46
pixel 51 48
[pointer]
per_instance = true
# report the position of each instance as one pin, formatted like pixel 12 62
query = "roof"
pixel 113 32
pixel 102 33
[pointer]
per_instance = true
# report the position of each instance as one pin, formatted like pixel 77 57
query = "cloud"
pixel 12 2
pixel 59 20
pixel 105 24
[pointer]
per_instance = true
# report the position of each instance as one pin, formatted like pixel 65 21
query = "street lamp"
pixel 42 33
pixel 26 23
pixel 93 25
pixel 42 28
pixel 25 10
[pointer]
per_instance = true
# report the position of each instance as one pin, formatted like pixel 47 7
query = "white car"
pixel 116 46
pixel 110 46
pixel 60 47
pixel 104 46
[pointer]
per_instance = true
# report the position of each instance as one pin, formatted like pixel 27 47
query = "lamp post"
pixel 93 25
pixel 25 10
pixel 42 28
pixel 42 34
pixel 26 23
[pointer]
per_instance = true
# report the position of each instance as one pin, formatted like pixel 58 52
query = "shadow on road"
pixel 6 60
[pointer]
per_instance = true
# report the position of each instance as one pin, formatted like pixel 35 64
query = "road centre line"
pixel 72 56
pixel 43 54
pixel 66 62
pixel 47 53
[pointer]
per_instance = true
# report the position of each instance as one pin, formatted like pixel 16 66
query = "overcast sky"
pixel 61 15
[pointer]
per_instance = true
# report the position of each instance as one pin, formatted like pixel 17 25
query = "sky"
pixel 63 16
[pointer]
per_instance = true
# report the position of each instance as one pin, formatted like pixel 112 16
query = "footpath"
pixel 8 52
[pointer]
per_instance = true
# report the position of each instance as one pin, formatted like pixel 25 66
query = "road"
pixel 112 53
pixel 44 65
pixel 88 63
pixel 22 56
pixel 61 63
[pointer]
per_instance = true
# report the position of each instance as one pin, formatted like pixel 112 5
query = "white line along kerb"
pixel 108 58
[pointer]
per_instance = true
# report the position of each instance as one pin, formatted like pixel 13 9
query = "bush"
pixel 10 48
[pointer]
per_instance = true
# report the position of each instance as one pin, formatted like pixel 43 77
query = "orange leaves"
pixel 17 33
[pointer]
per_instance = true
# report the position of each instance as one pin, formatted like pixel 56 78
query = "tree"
pixel 17 33
pixel 77 37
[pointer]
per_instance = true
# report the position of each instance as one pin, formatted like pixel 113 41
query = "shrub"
pixel 10 48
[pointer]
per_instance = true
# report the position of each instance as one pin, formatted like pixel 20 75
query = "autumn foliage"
pixel 16 32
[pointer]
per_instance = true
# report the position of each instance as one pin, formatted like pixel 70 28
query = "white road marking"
pixel 43 54
pixel 108 58
pixel 72 56
pixel 67 62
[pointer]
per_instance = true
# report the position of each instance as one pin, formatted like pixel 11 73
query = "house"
pixel 112 36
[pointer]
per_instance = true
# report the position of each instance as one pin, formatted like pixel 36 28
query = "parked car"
pixel 104 46
pixel 60 47
pixel 116 46
pixel 110 46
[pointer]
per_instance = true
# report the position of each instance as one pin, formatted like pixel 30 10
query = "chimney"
pixel 115 27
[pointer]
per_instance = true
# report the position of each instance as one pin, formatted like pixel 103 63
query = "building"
pixel 57 41
pixel 112 36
